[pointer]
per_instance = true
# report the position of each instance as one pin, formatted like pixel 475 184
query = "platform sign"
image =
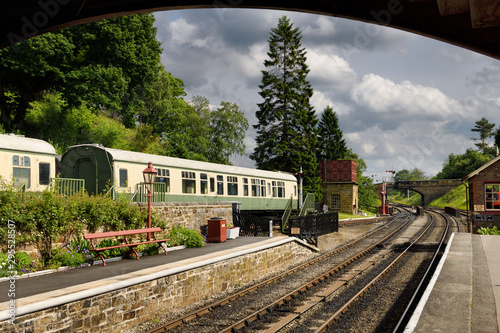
pixel 295 231
pixel 486 218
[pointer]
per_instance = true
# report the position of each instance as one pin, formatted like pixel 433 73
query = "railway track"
pixel 292 301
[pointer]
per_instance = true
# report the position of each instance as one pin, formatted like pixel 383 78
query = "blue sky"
pixel 403 101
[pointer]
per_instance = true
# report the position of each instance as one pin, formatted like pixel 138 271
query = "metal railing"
pixel 159 193
pixel 308 204
pixel 67 186
pixel 286 214
pixel 310 227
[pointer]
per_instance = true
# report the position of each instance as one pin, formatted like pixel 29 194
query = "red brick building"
pixel 340 184
pixel 484 195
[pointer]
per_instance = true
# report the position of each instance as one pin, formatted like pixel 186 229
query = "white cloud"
pixel 384 96
pixel 402 101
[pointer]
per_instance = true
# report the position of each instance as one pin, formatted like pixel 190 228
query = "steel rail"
pixel 421 287
pixel 197 313
pixel 332 318
pixel 257 314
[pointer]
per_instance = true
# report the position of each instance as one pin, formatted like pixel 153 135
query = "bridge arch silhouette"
pixel 428 189
pixel 474 25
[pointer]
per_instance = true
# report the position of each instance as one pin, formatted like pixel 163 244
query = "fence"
pixel 159 193
pixel 311 226
pixel 67 186
pixel 251 225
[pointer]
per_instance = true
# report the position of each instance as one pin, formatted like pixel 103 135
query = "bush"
pixel 70 256
pixel 182 235
pixel 488 231
pixel 43 219
pixel 112 252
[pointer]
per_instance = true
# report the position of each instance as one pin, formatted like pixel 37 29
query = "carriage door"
pixel 86 168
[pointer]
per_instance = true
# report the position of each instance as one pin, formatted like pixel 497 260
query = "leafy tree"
pixel 106 65
pixel 286 130
pixel 332 145
pixel 228 126
pixel 367 197
pixel 458 166
pixel 485 129
pixel 415 174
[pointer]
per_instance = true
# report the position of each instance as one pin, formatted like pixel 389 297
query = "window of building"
pixel 163 176
pixel 232 185
pixel 335 201
pixel 123 177
pixel 220 185
pixel 492 196
pixel 245 187
pixel 44 173
pixel 203 183
pixel 255 187
pixel 21 171
pixel 188 182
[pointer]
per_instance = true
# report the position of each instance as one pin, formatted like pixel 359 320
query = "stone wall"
pixel 348 192
pixel 123 309
pixel 192 214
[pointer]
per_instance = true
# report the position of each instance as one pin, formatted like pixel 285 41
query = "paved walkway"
pixel 464 294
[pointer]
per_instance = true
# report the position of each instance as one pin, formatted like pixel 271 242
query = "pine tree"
pixel 485 129
pixel 286 130
pixel 332 145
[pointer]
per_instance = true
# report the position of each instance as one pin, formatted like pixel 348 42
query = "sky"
pixel 403 101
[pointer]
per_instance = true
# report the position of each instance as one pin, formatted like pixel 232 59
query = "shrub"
pixel 182 235
pixel 488 231
pixel 70 256
pixel 112 252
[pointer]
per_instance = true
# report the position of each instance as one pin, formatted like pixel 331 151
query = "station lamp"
pixel 149 175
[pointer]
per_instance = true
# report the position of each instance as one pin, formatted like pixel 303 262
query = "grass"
pixel 454 198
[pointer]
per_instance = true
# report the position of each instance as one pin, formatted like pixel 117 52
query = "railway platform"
pixel 37 295
pixel 464 293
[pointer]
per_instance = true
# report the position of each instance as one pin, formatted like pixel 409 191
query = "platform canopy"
pixel 472 24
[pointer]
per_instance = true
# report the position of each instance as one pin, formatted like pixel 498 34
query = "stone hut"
pixel 340 184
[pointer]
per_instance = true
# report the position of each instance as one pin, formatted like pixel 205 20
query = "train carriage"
pixel 29 163
pixel 178 180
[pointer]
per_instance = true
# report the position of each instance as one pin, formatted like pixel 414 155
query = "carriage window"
pixel 203 183
pixel 212 184
pixel 123 177
pixel 44 173
pixel 255 187
pixel 164 177
pixel 220 185
pixel 492 199
pixel 232 185
pixel 295 190
pixel 275 190
pixel 21 171
pixel 281 189
pixel 188 182
pixel 263 188
pixel 245 187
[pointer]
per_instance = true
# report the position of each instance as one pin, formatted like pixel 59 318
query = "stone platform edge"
pixel 51 299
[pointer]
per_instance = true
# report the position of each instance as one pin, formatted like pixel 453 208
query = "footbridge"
pixel 428 189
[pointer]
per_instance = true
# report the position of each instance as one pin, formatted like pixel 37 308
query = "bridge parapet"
pixel 428 189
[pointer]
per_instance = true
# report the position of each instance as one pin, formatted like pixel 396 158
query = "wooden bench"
pixel 126 243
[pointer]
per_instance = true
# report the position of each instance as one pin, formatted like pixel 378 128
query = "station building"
pixel 340 184
pixel 484 195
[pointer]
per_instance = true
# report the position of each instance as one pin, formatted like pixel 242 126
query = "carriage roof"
pixel 166 161
pixel 21 143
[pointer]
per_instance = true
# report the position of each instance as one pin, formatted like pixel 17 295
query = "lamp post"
pixel 149 175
